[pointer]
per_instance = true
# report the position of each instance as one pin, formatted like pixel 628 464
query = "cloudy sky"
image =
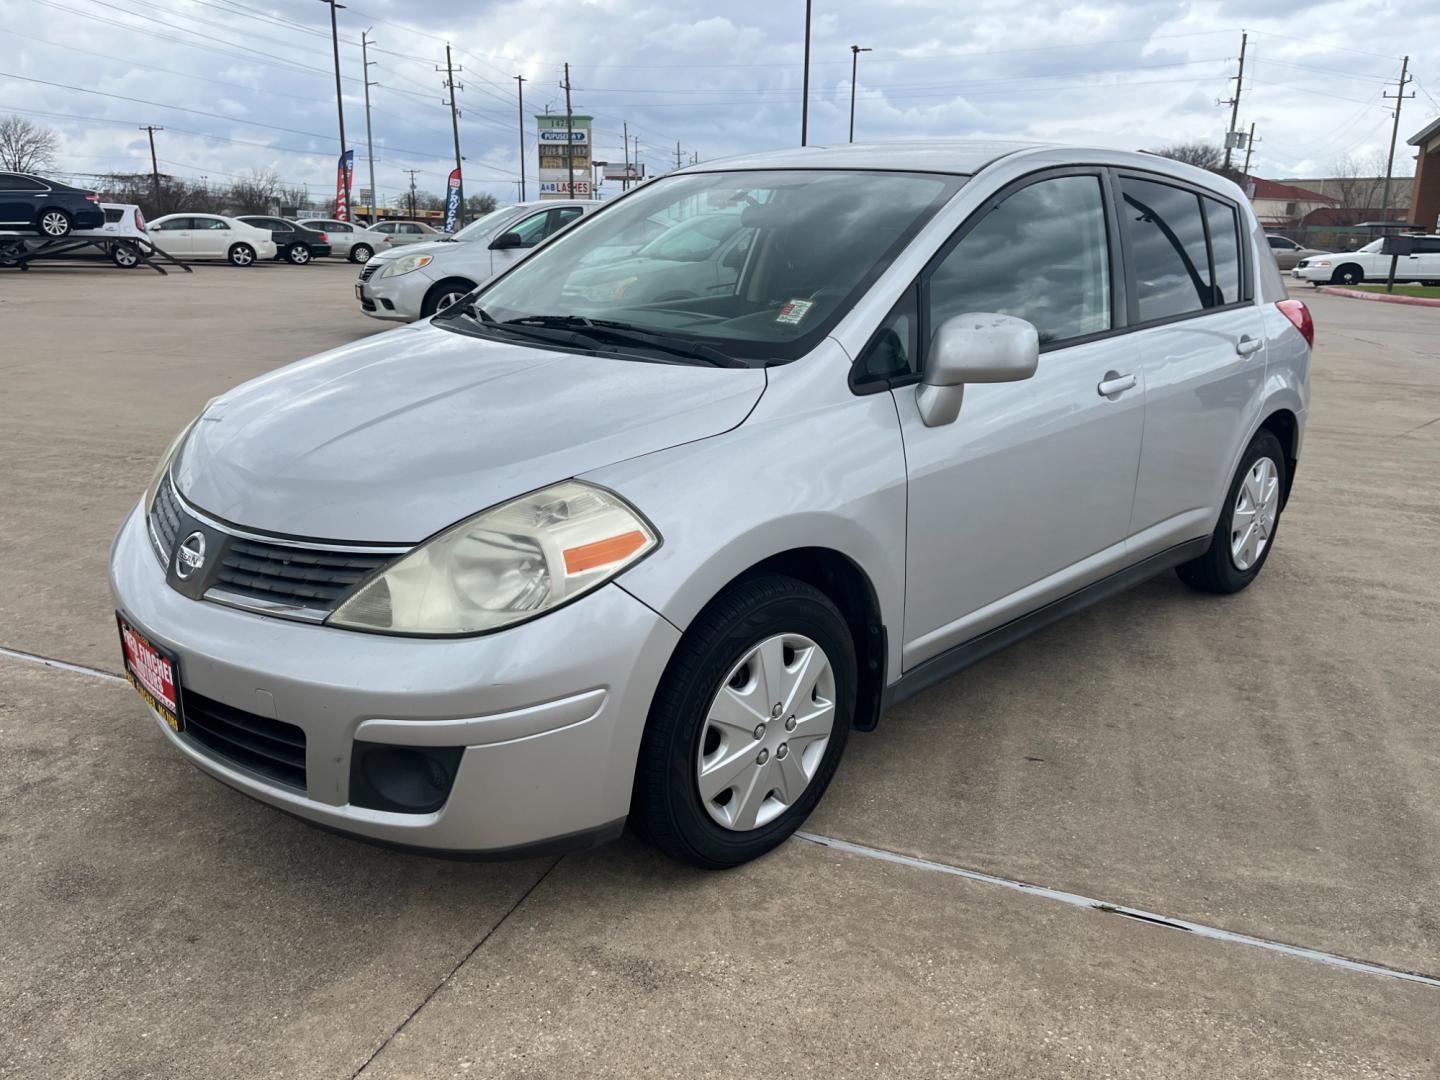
pixel 245 84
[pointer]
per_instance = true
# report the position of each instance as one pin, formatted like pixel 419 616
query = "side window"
pixel 210 223
pixel 1167 244
pixel 892 351
pixel 177 224
pixel 562 217
pixel 1279 243
pixel 410 229
pixel 1224 250
pixel 532 229
pixel 334 226
pixel 1042 255
pixel 1427 245
pixel 11 182
pixel 384 227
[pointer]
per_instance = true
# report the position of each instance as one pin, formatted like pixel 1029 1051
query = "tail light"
pixel 92 197
pixel 324 239
pixel 1299 316
pixel 139 220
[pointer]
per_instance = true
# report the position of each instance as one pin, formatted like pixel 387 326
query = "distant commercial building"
pixel 1425 198
pixel 1282 206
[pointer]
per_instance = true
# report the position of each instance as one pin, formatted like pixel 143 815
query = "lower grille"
pixel 270 748
pixel 304 577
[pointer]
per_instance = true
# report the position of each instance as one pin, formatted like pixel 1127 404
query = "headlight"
pixel 406 264
pixel 507 564
pixel 171 452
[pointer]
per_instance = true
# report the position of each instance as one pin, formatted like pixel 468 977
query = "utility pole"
pixel 412 173
pixel 638 170
pixel 855 51
pixel 625 140
pixel 677 153
pixel 369 138
pixel 150 129
pixel 520 87
pixel 1234 102
pixel 805 84
pixel 569 134
pixel 1399 96
pixel 335 5
pixel 1249 147
pixel 455 129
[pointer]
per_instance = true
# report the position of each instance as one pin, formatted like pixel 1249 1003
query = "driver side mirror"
pixel 506 240
pixel 975 347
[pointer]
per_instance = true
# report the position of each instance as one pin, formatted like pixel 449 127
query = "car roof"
pixel 948 156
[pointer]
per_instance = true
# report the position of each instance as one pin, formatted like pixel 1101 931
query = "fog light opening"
pixel 402 779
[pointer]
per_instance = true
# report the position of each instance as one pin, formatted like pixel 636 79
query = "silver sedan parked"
pixel 561 558
pixel 348 240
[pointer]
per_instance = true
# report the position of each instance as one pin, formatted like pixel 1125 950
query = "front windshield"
pixel 757 265
pixel 482 226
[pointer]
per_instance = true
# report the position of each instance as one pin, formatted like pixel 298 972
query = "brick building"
pixel 1425 200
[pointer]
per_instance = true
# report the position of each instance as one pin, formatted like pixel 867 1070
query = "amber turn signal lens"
pixel 602 552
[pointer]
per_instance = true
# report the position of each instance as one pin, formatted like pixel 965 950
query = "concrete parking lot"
pixel 1263 764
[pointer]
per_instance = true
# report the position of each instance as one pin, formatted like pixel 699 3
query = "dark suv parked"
pixel 32 203
pixel 292 243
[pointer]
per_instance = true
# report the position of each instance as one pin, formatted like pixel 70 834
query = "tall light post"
pixel 335 5
pixel 805 84
pixel 855 51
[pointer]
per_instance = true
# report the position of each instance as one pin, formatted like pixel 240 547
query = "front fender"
pixel 831 477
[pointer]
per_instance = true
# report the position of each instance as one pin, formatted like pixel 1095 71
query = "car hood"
pixel 433 247
pixel 394 438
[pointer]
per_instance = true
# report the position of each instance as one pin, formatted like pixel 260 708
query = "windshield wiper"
pixel 620 333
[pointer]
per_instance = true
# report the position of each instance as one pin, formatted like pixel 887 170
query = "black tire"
pixel 666 806
pixel 1347 274
pixel 125 255
pixel 450 287
pixel 361 253
pixel 241 255
pixel 298 255
pixel 1215 571
pixel 54 223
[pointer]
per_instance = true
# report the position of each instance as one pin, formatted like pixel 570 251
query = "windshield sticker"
pixel 794 311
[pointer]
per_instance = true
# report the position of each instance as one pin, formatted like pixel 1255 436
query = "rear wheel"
pixel 125 255
pixel 1245 532
pixel 361 253
pixel 298 254
pixel 241 254
pixel 55 223
pixel 748 724
pixel 1349 274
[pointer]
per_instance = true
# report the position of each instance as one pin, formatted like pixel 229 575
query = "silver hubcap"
pixel 765 732
pixel 301 255
pixel 54 224
pixel 448 299
pixel 125 256
pixel 242 256
pixel 362 255
pixel 1256 508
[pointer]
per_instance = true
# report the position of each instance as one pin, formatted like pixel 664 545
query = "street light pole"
pixel 805 84
pixel 369 137
pixel 520 84
pixel 335 5
pixel 855 51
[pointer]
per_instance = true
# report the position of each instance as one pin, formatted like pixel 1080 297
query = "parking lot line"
pixel 1138 914
pixel 64 665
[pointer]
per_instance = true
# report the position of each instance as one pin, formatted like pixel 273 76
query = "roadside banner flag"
pixel 344 168
pixel 452 201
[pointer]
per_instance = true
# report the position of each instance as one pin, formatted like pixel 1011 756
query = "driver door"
pixel 176 236
pixel 1026 496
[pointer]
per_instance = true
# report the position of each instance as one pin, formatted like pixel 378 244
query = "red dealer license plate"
pixel 153 672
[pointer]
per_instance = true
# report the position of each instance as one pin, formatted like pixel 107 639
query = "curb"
pixel 1384 298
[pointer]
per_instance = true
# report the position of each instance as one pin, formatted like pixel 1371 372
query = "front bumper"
pixel 397 299
pixel 549 713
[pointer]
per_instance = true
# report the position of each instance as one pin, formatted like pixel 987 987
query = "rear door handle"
pixel 1115 383
pixel 1247 345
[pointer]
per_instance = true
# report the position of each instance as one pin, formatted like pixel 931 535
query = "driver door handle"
pixel 1115 383
pixel 1247 345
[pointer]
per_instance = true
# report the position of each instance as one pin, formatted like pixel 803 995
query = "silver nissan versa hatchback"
pixel 569 554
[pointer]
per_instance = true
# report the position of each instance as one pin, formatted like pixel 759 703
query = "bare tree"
pixel 1357 183
pixel 176 193
pixel 1202 155
pixel 296 195
pixel 425 200
pixel 26 147
pixel 479 205
pixel 255 193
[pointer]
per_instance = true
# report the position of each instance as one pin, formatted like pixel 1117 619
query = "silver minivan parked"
pixel 566 555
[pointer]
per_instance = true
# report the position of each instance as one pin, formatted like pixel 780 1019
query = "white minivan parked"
pixel 561 558
pixel 415 282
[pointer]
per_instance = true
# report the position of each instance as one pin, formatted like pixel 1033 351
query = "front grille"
pixel 303 577
pixel 269 748
pixel 368 271
pixel 165 519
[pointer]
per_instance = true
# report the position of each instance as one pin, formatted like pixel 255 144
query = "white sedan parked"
pixel 348 240
pixel 211 236
pixel 1368 264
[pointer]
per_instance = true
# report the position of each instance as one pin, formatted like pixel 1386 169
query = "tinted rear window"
pixel 1225 250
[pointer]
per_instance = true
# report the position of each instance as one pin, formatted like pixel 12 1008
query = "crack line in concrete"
pixel 1138 914
pixel 64 665
pixel 451 973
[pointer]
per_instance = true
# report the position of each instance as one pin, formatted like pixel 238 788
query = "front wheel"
pixel 1349 274
pixel 241 255
pixel 361 253
pixel 748 724
pixel 443 295
pixel 1245 532
pixel 125 255
pixel 298 255
pixel 56 223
